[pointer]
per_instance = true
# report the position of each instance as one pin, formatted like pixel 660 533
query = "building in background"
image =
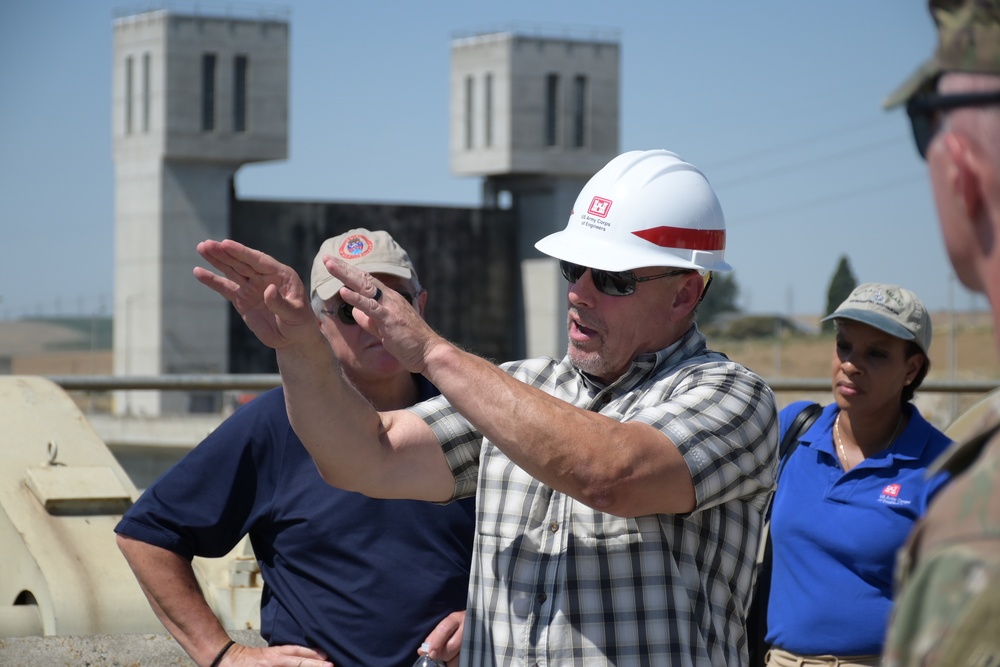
pixel 535 116
pixel 196 95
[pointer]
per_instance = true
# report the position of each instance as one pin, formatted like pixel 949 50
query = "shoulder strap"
pixel 799 425
pixel 757 613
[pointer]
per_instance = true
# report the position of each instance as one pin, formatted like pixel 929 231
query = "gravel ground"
pixel 158 650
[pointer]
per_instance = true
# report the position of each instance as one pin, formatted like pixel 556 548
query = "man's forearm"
pixel 170 585
pixel 355 447
pixel 602 462
pixel 337 425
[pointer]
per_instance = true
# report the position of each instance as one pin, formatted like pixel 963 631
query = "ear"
pixel 421 302
pixel 913 365
pixel 965 177
pixel 689 294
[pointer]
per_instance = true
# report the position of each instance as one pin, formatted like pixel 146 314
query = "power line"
pixel 791 145
pixel 840 196
pixel 796 166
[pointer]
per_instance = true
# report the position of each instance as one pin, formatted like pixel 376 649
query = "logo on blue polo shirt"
pixel 890 495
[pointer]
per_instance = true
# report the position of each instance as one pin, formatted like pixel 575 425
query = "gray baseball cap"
pixel 374 252
pixel 889 308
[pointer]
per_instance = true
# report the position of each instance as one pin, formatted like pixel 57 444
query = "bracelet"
pixel 221 654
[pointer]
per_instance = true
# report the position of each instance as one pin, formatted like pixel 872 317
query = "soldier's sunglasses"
pixel 926 112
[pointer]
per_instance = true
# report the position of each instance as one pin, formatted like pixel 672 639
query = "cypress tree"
pixel 841 286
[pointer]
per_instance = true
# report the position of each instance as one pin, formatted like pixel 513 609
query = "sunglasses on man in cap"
pixel 345 311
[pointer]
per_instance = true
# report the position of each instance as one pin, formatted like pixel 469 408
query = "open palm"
pixel 269 296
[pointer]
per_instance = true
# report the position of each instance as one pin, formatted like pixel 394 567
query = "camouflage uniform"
pixel 947 609
pixel 948 574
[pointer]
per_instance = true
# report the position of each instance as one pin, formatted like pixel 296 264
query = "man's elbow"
pixel 630 499
pixel 335 477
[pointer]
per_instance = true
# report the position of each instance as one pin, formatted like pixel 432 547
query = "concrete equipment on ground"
pixel 61 494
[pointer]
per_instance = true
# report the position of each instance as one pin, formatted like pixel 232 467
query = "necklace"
pixel 840 443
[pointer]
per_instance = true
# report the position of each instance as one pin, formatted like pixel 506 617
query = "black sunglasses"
pixel 925 112
pixel 345 311
pixel 612 283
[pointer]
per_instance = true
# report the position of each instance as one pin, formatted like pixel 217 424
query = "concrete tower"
pixel 194 97
pixel 536 116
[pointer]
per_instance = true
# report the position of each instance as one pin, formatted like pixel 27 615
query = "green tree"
pixel 841 286
pixel 720 298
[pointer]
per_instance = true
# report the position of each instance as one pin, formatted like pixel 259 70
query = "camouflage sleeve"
pixel 949 611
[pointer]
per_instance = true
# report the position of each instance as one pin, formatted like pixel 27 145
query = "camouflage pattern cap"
pixel 968 41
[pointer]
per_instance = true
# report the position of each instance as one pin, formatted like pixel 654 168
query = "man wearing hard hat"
pixel 620 490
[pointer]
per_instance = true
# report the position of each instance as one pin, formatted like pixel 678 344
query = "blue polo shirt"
pixel 361 579
pixel 835 535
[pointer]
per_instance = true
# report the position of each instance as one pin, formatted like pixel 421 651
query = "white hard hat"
pixel 644 208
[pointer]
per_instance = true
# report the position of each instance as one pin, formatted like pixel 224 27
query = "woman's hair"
pixel 911 389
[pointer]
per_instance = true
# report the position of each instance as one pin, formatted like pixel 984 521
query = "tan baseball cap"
pixel 374 252
pixel 889 308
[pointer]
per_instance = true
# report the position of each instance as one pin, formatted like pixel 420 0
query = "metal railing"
pixel 206 382
pixel 264 381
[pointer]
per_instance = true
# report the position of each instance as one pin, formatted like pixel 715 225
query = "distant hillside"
pixel 95 333
pixel 56 346
pixel 970 355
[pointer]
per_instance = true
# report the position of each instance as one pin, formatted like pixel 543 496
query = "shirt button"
pixel 554 526
pixel 542 597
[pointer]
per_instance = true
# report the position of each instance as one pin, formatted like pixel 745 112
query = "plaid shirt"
pixel 557 583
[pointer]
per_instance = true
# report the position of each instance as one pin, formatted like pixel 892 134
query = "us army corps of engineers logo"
pixel 595 216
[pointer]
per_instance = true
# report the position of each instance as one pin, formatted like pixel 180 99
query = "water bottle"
pixel 425 660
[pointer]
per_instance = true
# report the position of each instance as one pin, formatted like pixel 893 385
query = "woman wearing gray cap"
pixel 851 490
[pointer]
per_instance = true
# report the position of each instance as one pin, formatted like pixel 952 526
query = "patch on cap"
pixel 356 247
pixel 373 251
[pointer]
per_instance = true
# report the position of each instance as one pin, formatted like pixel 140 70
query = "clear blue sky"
pixel 778 101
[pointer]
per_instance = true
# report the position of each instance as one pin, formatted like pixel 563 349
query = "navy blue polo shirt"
pixel 835 535
pixel 361 579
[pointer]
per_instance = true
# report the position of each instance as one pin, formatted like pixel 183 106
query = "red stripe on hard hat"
pixel 688 239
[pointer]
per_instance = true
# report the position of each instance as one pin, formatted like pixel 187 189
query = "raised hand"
pixel 269 295
pixel 389 317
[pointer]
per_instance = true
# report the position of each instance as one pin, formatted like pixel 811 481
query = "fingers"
pixel 446 638
pixel 277 656
pixel 238 262
pixel 215 254
pixel 354 279
pixel 235 272
pixel 269 295
pixel 301 656
pixel 214 281
pixel 364 292
pixel 454 643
